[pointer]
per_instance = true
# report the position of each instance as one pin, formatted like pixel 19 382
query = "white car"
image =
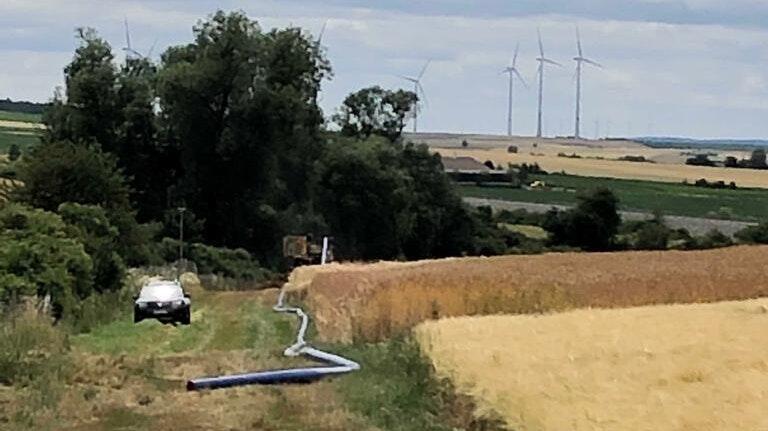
pixel 163 300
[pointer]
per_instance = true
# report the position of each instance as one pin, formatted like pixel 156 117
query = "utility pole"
pixel 181 239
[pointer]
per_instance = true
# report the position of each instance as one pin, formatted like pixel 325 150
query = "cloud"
pixel 670 64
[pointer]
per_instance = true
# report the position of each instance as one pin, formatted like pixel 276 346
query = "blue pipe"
pixel 336 364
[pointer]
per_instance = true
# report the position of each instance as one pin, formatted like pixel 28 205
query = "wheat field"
pixel 676 367
pixel 374 302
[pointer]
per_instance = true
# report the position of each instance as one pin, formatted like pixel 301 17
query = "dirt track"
pixel 133 377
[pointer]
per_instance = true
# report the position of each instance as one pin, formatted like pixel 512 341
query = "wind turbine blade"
pixel 546 60
pixel 322 32
pixel 423 93
pixel 520 77
pixel 514 59
pixel 593 63
pixel 541 45
pixel 127 34
pixel 424 69
pixel 408 78
pixel 151 49
pixel 578 40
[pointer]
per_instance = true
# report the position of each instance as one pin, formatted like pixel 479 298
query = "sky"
pixel 693 68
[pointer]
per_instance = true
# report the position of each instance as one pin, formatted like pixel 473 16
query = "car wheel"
pixel 137 317
pixel 185 316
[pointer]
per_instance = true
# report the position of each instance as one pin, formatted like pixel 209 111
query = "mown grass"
pixel 649 196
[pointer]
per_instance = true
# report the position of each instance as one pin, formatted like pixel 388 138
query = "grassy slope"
pixel 671 199
pixel 132 377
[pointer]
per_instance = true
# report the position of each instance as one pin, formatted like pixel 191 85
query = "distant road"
pixel 694 225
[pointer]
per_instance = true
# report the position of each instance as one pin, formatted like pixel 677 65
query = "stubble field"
pixel 597 158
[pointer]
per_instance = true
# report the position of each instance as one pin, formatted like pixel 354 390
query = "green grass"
pixel 23 141
pixel 20 116
pixel 396 389
pixel 648 196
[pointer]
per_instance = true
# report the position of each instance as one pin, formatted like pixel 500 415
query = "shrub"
pixel 591 225
pixel 754 234
pixel 714 239
pixel 38 257
pixel 233 263
pixel 14 152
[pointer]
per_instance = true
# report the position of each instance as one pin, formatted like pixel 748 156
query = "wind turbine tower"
pixel 419 91
pixel 512 71
pixel 580 59
pixel 542 61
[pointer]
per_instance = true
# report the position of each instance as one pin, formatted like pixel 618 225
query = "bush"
pixel 225 262
pixel 591 225
pixel 38 257
pixel 14 152
pixel 714 239
pixel 754 234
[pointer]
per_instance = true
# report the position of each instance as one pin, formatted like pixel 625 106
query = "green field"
pixel 23 137
pixel 634 195
pixel 20 116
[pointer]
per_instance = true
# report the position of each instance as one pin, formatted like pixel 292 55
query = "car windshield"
pixel 161 292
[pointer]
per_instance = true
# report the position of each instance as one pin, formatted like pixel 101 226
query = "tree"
pixel 38 257
pixel 243 103
pixel 14 152
pixel 591 225
pixel 89 224
pixel 90 113
pixel 757 159
pixel 375 111
pixel 365 198
pixel 58 172
pixel 384 201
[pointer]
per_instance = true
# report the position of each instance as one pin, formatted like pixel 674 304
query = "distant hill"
pixel 699 144
pixel 22 106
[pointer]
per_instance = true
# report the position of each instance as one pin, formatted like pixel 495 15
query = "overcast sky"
pixel 672 67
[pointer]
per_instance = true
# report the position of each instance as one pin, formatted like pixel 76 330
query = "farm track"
pixel 695 225
pixel 133 377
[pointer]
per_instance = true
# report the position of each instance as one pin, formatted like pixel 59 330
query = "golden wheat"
pixel 682 367
pixel 373 302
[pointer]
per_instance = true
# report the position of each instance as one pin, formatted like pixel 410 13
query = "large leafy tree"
pixel 376 111
pixel 391 201
pixel 242 106
pixel 113 107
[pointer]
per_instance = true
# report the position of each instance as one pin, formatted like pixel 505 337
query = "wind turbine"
pixel 419 91
pixel 512 71
pixel 542 61
pixel 132 54
pixel 579 60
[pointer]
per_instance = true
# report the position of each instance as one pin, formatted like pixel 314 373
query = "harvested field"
pixel 617 169
pixel 681 367
pixel 374 302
